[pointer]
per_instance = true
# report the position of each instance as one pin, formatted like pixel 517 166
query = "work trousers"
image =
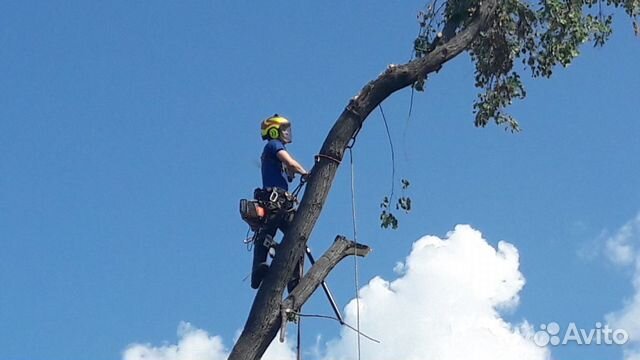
pixel 277 219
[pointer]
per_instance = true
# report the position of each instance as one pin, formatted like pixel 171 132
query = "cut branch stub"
pixel 340 249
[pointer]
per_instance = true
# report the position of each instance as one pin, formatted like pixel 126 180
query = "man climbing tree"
pixel 505 39
pixel 278 169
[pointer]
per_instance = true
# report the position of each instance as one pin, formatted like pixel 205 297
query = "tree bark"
pixel 264 318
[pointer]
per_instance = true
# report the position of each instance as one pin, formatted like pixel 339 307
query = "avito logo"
pixel 550 334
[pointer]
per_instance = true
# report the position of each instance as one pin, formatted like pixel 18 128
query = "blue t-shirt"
pixel 273 174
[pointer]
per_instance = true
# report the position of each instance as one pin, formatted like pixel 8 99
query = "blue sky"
pixel 129 131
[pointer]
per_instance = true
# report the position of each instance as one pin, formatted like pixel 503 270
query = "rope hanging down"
pixel 355 239
pixel 393 153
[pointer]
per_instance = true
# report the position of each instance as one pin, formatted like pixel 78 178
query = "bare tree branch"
pixel 340 249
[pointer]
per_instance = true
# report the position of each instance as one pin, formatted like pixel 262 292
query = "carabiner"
pixel 274 196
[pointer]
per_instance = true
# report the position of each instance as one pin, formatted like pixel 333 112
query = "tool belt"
pixel 275 198
pixel 269 202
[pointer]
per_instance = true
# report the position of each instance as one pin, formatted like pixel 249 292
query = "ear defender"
pixel 274 133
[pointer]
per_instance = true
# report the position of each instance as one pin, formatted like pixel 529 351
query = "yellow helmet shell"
pixel 270 128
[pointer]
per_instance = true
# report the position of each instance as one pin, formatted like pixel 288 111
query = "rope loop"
pixel 323 156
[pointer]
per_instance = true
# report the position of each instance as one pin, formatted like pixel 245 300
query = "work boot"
pixel 258 273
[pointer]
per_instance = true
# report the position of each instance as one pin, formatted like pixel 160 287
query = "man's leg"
pixel 260 252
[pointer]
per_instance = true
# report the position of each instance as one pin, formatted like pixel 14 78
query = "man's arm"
pixel 290 162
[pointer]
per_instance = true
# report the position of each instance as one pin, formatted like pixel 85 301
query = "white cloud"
pixel 197 344
pixel 445 304
pixel 623 249
pixel 194 344
pixel 632 355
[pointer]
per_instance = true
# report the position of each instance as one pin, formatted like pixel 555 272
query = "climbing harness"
pixel 267 201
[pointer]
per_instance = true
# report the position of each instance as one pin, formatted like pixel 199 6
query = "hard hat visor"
pixel 285 133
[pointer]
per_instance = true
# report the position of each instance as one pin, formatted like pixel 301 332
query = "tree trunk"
pixel 265 316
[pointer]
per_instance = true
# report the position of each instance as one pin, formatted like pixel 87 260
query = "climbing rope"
pixel 300 270
pixel 298 342
pixel 323 156
pixel 355 239
pixel 356 274
pixel 336 319
pixel 406 125
pixel 297 189
pixel 393 154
